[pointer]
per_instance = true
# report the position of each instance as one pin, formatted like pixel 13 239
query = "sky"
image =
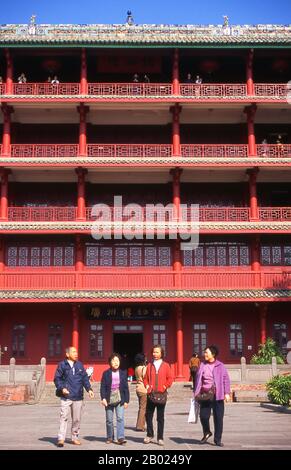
pixel 147 11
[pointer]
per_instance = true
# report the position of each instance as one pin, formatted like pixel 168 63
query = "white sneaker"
pixel 161 442
pixel 147 440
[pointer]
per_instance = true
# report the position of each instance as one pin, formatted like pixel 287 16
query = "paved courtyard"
pixel 246 426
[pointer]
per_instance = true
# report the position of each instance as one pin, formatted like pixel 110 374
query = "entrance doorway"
pixel 128 345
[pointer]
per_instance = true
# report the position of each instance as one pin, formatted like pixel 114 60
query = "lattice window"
pixel 150 255
pixel 92 255
pixel 135 256
pixel 19 340
pixel 23 256
pixel 188 257
pixel 55 340
pixel 233 256
pixel 236 340
pixel 121 254
pixel 96 341
pixel 210 256
pixel 244 255
pixel 287 256
pixel 12 256
pixel 221 256
pixel 265 255
pixel 160 336
pixel 46 256
pixel 164 256
pixel 199 256
pixel 105 256
pixel 276 255
pixel 68 256
pixel 199 338
pixel 35 256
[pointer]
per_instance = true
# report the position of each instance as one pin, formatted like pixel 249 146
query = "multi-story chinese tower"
pixel 157 115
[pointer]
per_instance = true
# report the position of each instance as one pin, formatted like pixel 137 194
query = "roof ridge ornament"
pixel 129 19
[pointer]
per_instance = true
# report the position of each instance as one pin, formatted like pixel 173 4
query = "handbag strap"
pixel 156 376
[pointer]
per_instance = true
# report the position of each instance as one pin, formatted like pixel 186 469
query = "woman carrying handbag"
pixel 212 388
pixel 157 380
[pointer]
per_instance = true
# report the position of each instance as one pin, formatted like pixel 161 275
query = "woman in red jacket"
pixel 158 378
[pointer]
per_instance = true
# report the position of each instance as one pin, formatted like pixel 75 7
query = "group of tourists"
pixel 211 387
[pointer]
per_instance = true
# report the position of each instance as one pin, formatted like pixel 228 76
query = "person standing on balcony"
pixel 141 391
pixel 213 380
pixel 22 78
pixel 189 78
pixel 198 80
pixel 194 365
pixel 114 394
pixel 135 78
pixel 1 79
pixel 265 147
pixel 146 78
pixel 55 80
pixel 70 379
pixel 158 378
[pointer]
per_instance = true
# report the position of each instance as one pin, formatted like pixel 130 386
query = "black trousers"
pixel 160 418
pixel 218 413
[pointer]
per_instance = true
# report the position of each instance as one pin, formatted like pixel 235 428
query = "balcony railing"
pixel 213 150
pixel 129 150
pixel 149 214
pixel 135 279
pixel 45 89
pixel 147 150
pixel 44 150
pixel 205 91
pixel 130 89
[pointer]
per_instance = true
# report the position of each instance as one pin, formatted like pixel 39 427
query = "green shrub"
pixel 266 352
pixel 279 389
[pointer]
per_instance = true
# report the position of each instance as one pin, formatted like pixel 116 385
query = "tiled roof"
pixel 205 295
pixel 146 34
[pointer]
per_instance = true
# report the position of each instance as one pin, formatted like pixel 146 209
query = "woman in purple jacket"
pixel 213 375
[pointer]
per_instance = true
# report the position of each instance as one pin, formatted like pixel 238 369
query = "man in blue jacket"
pixel 70 379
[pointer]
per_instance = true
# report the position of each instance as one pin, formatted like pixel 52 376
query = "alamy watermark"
pixel 152 221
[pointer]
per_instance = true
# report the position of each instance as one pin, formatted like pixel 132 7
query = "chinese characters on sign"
pixel 128 312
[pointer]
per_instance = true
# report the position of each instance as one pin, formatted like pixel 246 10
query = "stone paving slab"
pixel 246 426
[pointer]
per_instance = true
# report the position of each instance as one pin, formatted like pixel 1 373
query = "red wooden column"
pixel 83 110
pixel 180 343
pixel 250 72
pixel 263 322
pixel 177 254
pixel 176 110
pixel 79 259
pixel 2 254
pixel 81 194
pixel 9 75
pixel 83 81
pixel 75 331
pixel 4 194
pixel 254 212
pixel 175 73
pixel 250 112
pixel 6 138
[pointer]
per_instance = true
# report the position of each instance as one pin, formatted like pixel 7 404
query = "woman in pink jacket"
pixel 212 376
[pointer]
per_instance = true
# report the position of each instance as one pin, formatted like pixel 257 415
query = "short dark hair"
pixel 160 348
pixel 140 359
pixel 214 349
pixel 112 356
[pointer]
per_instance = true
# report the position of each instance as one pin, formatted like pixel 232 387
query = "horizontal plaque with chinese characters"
pixel 128 312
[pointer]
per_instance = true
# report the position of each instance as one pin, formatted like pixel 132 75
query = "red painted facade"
pixel 81 142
